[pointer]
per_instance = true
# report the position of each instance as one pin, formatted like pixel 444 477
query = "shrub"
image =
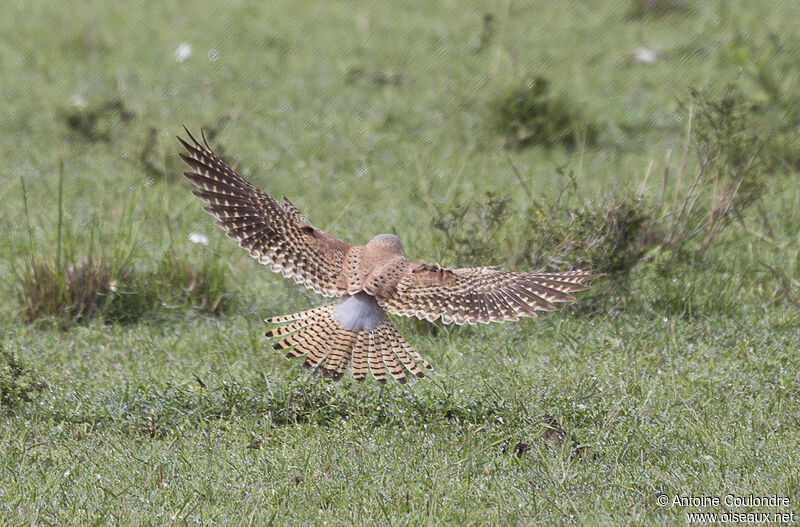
pixel 532 115
pixel 609 234
pixel 645 8
pixel 17 382
pixel 470 229
pixel 96 123
pixel 614 232
pixel 731 173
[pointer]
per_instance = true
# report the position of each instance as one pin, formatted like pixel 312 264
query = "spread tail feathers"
pixel 318 335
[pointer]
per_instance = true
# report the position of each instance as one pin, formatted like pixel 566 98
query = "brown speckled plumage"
pixel 480 294
pixel 369 280
pixel 274 233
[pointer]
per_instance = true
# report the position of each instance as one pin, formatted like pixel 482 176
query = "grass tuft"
pixel 68 281
pixel 82 290
pixel 72 292
pixel 609 234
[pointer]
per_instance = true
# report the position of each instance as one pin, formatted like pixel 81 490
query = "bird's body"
pixel 374 268
pixel 368 280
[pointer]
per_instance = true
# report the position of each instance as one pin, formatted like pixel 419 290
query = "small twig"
pixel 665 177
pixel 147 150
pixel 685 154
pixel 765 219
pixel 213 131
pixel 643 185
pixel 519 178
pixel 60 214
pixel 785 283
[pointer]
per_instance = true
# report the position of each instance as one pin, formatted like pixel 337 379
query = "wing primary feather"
pixel 227 194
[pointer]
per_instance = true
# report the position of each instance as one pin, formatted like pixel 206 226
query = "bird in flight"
pixel 368 281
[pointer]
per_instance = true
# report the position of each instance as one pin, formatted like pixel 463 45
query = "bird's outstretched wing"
pixel 480 294
pixel 275 233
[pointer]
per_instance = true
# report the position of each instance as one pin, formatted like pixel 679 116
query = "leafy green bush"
pixel 96 122
pixel 17 382
pixel 656 8
pixel 532 115
pixel 470 229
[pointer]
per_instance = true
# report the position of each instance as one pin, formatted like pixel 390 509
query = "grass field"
pixel 137 387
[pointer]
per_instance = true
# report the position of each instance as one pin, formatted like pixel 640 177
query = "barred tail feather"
pixel 341 351
pixel 374 360
pixel 400 347
pixel 317 335
pixel 384 346
pixel 360 351
pixel 406 348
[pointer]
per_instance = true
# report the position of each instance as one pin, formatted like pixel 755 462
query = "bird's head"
pixel 386 242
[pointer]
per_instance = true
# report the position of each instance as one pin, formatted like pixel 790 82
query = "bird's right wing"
pixel 480 294
pixel 275 233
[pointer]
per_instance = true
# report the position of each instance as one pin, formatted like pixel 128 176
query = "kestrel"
pixel 368 281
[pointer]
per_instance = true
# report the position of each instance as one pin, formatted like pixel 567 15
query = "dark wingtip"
pixel 268 334
pixel 277 346
pixel 382 381
pixel 198 192
pixel 190 136
pixel 420 374
pixel 186 145
pixel 402 380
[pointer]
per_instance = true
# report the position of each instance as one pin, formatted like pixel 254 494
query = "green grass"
pixel 383 118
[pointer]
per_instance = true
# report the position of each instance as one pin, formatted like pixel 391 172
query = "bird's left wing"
pixel 275 233
pixel 480 294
